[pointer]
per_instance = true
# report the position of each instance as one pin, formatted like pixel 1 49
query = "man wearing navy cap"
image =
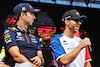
pixel 23 48
pixel 68 49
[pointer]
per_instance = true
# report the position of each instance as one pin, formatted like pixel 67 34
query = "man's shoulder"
pixel 7 31
pixel 12 29
pixel 57 37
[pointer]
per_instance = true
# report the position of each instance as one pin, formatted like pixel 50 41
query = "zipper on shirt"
pixel 27 37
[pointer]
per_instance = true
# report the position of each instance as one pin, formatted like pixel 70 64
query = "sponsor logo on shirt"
pixel 19 33
pixel 70 48
pixel 31 35
pixel 34 40
pixel 8 40
pixel 20 38
pixel 14 29
pixel 65 42
pixel 7 37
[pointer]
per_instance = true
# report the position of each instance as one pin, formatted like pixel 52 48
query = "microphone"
pixel 83 34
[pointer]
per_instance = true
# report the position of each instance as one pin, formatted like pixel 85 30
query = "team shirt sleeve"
pixel 87 55
pixel 39 45
pixel 9 39
pixel 57 49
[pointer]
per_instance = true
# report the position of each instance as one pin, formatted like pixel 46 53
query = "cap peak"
pixel 21 7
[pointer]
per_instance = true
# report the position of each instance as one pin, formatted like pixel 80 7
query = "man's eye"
pixel 32 13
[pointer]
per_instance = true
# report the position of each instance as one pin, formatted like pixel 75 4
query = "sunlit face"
pixel 29 18
pixel 74 26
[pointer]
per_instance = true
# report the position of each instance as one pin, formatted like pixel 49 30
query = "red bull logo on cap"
pixel 30 6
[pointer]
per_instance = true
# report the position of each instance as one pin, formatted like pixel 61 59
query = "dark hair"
pixel 63 22
pixel 18 15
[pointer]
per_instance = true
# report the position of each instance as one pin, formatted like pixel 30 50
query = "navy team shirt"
pixel 27 42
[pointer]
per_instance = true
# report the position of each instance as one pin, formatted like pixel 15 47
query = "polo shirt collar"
pixel 20 29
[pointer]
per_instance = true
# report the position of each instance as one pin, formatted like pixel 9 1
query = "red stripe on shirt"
pixel 11 45
pixel 26 37
pixel 87 55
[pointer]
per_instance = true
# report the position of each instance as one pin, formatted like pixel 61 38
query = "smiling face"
pixel 73 26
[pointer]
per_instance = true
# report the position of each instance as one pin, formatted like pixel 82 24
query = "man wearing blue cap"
pixel 68 49
pixel 23 48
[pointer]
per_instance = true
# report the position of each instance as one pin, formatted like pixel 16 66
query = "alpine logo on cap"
pixel 77 13
pixel 30 6
pixel 23 8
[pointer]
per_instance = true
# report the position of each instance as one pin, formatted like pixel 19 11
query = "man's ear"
pixel 22 14
pixel 67 22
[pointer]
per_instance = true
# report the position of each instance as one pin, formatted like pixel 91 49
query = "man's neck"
pixel 22 25
pixel 69 33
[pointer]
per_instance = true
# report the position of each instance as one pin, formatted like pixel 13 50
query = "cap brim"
pixel 83 17
pixel 35 10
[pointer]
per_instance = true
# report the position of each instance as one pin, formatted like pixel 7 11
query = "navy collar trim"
pixel 20 29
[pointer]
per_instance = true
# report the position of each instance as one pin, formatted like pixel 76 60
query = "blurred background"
pixel 48 23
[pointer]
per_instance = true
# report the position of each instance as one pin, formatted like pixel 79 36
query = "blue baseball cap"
pixel 24 7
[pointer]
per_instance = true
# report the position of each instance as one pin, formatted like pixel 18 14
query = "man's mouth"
pixel 77 27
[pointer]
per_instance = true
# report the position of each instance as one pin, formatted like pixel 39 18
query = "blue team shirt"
pixel 55 45
pixel 27 42
pixel 62 45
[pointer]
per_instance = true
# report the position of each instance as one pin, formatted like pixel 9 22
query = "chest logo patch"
pixel 19 33
pixel 65 42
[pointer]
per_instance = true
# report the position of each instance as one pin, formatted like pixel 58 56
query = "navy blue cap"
pixel 23 7
pixel 73 14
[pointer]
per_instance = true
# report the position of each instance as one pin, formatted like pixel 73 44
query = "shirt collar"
pixel 20 29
